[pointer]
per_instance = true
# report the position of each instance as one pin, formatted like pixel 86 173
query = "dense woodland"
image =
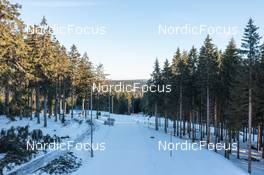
pixel 210 87
pixel 213 88
pixel 37 72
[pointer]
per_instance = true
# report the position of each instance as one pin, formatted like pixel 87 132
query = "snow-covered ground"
pixel 132 149
pixel 53 127
pixel 72 130
pixel 257 166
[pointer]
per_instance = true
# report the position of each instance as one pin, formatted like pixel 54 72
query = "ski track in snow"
pixel 131 151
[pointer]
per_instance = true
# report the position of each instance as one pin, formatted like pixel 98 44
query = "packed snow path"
pixel 130 150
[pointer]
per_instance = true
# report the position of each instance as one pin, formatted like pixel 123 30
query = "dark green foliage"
pixel 120 104
pixel 232 77
pixel 250 46
pixel 150 97
pixel 65 164
pixel 13 142
pixel 166 75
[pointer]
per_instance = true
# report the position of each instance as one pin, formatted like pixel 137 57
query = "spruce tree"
pixel 260 101
pixel 231 90
pixel 12 51
pixel 166 78
pixel 74 56
pixel 207 67
pixel 250 50
pixel 192 89
pixel 155 96
pixel 177 68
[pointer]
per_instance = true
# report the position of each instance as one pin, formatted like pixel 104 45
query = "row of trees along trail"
pixel 37 72
pixel 223 90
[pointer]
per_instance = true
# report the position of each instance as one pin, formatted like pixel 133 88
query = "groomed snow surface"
pixel 133 149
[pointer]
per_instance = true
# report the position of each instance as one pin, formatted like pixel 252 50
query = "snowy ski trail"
pixel 131 151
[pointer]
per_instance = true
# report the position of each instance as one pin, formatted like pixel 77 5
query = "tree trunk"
pixel 28 101
pixel 253 133
pixel 165 122
pixel 113 106
pixel 207 114
pixel 246 139
pixel 238 145
pixel 56 103
pixel 249 128
pixel 200 119
pixel 200 125
pixel 83 102
pixel 222 131
pixel 97 106
pixel 174 126
pixel 180 111
pixel 226 146
pixel 243 128
pixel 7 110
pixel 262 136
pixel 177 124
pixel 184 126
pixel 156 117
pixel 30 104
pixel 189 124
pixel 37 105
pixel 72 104
pixel 45 110
pixel 192 125
pixel 50 105
pixel 86 104
pixel 215 124
pixel 230 142
pixel 63 104
pixel 259 137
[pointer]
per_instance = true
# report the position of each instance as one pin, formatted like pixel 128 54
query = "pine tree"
pixel 34 42
pixel 250 49
pixel 260 101
pixel 74 58
pixel 46 63
pixel 207 67
pixel 155 96
pixel 177 68
pixel 231 89
pixel 192 89
pixel 100 79
pixel 84 79
pixel 166 78
pixel 12 50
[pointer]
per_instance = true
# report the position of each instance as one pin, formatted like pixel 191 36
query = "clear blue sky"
pixel 132 39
